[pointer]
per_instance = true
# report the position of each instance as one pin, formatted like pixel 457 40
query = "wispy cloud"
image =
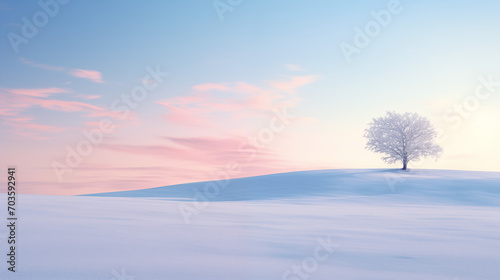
pixel 83 96
pixel 294 83
pixel 35 92
pixel 17 100
pixel 293 67
pixel 94 76
pixel 16 103
pixel 41 66
pixel 188 116
pixel 200 151
pixel 211 102
pixel 91 75
pixel 27 127
pixel 28 123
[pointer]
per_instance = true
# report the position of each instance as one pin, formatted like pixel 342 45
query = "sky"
pixel 100 96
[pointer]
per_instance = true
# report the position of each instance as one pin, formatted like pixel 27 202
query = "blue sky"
pixel 226 77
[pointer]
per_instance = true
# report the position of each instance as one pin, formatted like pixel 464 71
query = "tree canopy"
pixel 402 138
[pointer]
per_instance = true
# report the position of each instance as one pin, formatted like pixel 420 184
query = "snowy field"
pixel 330 224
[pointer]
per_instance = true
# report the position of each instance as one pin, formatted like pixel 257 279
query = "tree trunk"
pixel 405 163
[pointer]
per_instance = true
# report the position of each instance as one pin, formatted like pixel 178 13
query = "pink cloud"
pixel 89 96
pixel 25 127
pixel 42 128
pixel 36 92
pixel 67 106
pixel 5 112
pixel 186 118
pixel 246 88
pixel 293 84
pixel 199 151
pixel 189 116
pixel 94 76
pixel 16 101
pixel 92 123
pixel 231 101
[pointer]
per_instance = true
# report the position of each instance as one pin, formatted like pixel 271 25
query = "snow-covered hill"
pixel 469 187
pixel 328 224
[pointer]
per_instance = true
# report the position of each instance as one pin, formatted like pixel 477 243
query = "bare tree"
pixel 402 138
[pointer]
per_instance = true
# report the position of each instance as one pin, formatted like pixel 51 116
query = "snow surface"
pixel 385 224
